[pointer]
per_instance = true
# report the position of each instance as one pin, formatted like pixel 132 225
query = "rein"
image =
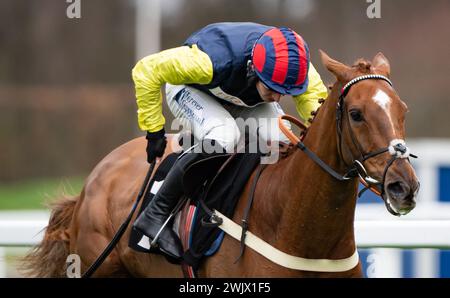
pixel 397 148
pixel 108 249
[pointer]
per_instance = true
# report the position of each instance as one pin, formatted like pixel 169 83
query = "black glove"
pixel 156 144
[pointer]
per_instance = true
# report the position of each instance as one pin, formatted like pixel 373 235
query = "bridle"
pixel 397 148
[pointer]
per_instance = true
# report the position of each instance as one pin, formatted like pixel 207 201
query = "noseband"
pixel 397 148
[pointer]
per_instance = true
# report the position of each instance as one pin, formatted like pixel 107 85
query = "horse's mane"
pixel 287 149
pixel 363 66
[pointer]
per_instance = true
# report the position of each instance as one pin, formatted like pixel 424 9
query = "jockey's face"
pixel 267 94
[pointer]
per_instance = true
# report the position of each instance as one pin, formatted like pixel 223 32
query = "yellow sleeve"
pixel 177 66
pixel 308 101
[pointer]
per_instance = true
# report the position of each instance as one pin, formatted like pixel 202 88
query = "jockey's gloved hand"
pixel 156 144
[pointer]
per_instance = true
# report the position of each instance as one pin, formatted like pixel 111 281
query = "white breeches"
pixel 207 118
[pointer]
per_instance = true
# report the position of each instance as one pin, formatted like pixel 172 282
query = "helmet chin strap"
pixel 251 73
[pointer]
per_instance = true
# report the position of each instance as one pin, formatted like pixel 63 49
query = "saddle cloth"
pixel 228 176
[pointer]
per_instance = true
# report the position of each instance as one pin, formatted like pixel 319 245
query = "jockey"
pixel 223 71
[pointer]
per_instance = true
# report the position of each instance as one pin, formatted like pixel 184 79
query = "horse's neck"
pixel 318 211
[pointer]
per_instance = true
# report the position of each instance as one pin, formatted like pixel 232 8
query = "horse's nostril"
pixel 397 189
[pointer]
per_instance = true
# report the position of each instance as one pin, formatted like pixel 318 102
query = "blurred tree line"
pixel 66 95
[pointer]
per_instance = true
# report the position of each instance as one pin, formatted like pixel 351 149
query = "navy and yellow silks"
pixel 214 60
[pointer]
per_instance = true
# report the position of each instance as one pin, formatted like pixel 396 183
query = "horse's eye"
pixel 356 115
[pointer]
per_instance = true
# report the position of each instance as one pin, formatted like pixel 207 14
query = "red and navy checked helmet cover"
pixel 281 61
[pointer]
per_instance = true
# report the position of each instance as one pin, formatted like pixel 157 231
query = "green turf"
pixel 34 194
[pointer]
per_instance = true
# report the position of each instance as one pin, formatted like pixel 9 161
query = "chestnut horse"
pixel 298 207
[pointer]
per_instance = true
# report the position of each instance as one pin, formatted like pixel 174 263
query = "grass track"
pixel 34 194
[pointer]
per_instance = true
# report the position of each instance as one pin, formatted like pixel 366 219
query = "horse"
pixel 298 207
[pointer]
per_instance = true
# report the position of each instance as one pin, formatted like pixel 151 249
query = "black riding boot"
pixel 159 209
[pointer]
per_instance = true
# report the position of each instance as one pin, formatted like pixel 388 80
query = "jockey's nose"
pixel 276 96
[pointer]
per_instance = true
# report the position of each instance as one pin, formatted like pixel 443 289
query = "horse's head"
pixel 371 130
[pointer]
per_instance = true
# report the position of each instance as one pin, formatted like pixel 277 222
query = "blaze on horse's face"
pixel 375 114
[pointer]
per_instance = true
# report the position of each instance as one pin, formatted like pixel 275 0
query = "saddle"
pixel 227 175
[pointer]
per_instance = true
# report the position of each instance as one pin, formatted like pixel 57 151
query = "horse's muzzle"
pixel 400 197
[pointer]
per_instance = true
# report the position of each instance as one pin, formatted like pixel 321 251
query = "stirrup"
pixel 154 242
pixel 175 210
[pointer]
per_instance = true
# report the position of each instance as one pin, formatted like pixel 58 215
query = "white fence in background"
pixel 368 233
pixel 428 225
pixel 26 229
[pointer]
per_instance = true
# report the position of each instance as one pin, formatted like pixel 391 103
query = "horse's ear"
pixel 381 64
pixel 340 70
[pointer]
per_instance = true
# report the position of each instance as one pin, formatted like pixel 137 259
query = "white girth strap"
pixel 283 259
